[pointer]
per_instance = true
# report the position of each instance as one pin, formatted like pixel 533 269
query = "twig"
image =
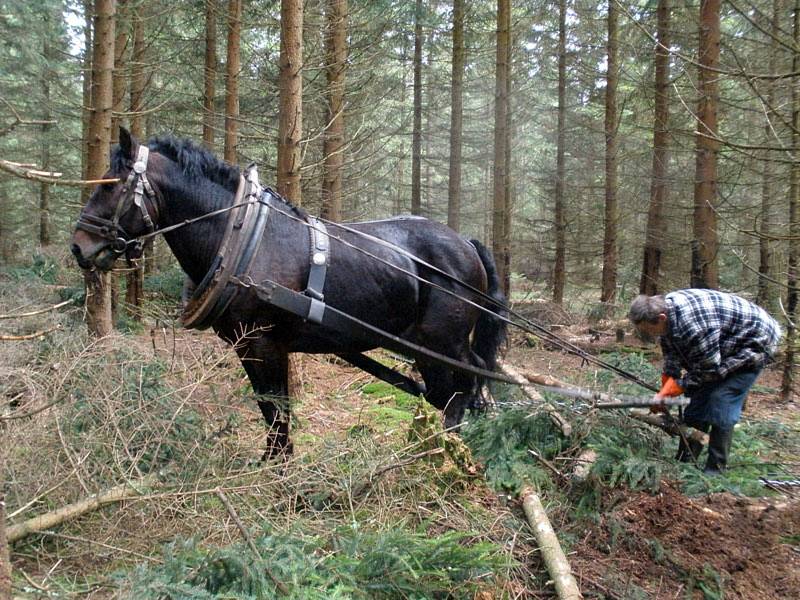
pixel 246 535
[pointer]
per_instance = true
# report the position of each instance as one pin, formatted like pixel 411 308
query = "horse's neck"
pixel 195 246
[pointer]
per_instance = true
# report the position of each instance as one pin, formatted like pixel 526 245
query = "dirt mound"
pixel 720 543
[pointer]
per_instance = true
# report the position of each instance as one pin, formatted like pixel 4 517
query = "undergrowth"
pixel 393 563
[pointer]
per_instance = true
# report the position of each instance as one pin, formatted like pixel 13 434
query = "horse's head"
pixel 117 213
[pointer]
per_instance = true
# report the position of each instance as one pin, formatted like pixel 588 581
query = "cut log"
pixel 66 513
pixel 543 379
pixel 554 557
pixel 533 394
pixel 583 464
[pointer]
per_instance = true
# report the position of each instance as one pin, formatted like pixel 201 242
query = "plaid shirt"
pixel 712 334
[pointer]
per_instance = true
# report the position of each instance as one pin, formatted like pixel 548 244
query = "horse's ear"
pixel 127 143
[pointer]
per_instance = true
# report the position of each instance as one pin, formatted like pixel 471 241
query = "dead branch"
pixel 554 558
pixel 28 336
pixel 76 509
pixel 246 535
pixel 34 175
pixel 36 312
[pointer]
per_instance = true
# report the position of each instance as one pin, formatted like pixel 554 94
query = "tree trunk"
pixel 119 77
pixel 654 236
pixel 44 188
pixel 787 383
pixel 705 273
pixel 508 187
pixel 416 134
pixel 138 78
pixel 98 288
pixel 766 290
pixel 456 118
pixel 500 171
pixel 333 145
pixel 611 221
pixel 210 74
pixel 559 264
pixel 86 113
pixel 134 278
pixel 290 119
pixel 232 67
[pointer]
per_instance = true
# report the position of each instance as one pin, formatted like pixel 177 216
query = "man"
pixel 715 345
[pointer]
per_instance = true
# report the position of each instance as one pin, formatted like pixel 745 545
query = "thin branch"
pixel 34 175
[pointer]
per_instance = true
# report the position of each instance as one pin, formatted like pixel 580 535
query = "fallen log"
pixel 76 509
pixel 671 426
pixel 533 394
pixel 554 558
pixel 583 464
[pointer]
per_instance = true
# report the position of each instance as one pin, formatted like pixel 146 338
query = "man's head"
pixel 649 315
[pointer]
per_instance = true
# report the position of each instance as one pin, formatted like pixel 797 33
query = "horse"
pixel 400 275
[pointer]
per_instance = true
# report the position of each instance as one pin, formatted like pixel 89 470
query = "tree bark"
pixel 456 118
pixel 608 290
pixel 232 67
pixel 44 188
pixel 86 113
pixel 138 77
pixel 333 145
pixel 290 119
pixel 416 134
pixel 654 237
pixel 210 74
pixel 705 273
pixel 98 288
pixel 559 264
pixel 500 170
pixel 134 278
pixel 766 291
pixel 787 381
pixel 119 76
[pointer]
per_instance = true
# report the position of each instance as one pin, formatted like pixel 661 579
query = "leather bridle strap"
pixel 136 190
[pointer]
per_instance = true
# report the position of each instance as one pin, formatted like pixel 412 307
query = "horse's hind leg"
pixel 268 370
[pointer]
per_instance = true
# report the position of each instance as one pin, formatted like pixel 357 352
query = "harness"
pixel 228 274
pixel 136 190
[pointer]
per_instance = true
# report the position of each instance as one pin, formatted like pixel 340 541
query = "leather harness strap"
pixel 320 257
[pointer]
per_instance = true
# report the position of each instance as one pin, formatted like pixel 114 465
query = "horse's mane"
pixel 195 161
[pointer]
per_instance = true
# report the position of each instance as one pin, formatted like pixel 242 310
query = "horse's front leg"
pixel 268 369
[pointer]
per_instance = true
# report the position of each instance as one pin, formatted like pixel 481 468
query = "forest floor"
pixel 175 402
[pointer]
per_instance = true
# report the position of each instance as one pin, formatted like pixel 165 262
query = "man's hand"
pixel 669 388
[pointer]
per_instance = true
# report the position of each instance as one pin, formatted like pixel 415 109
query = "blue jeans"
pixel 720 402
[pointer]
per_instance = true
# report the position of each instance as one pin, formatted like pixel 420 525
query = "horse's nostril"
pixel 76 250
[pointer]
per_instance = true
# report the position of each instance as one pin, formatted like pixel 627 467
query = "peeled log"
pixel 554 558
pixel 532 393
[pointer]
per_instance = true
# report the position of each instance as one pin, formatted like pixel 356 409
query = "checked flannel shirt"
pixel 712 334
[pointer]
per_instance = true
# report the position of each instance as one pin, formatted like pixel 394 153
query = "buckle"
pixel 119 244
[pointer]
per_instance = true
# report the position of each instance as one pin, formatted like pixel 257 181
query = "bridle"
pixel 135 190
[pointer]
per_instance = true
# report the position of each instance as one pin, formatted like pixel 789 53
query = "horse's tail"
pixel 490 331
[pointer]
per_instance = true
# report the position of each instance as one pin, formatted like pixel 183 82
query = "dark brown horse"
pixel 184 182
